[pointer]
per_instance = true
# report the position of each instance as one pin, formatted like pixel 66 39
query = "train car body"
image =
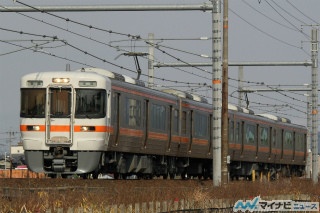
pixel 93 121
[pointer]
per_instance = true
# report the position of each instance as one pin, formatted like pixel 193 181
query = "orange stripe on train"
pixel 64 128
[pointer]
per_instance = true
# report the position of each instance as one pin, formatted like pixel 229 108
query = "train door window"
pixel 184 122
pixel 299 142
pixel 158 117
pixel 231 130
pixel 33 103
pixel 288 139
pixel 264 133
pixel 175 127
pixel 200 125
pixel 133 112
pixel 237 132
pixel 116 107
pixel 250 136
pixel 274 138
pixel 60 102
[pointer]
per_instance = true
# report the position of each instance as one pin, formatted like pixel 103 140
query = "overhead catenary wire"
pixel 264 32
pixel 316 22
pixel 82 48
pixel 271 19
pixel 307 36
pixel 89 38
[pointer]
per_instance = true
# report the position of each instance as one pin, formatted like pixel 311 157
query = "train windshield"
pixel 90 103
pixel 33 103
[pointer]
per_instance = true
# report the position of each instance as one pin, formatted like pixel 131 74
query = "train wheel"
pixel 52 175
pixel 116 176
pixel 124 176
pixel 165 176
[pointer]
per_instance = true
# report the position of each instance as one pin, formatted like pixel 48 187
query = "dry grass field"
pixel 38 195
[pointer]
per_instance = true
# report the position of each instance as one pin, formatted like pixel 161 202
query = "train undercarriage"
pixel 120 165
pixel 135 166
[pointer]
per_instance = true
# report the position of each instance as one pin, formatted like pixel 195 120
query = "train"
pixel 93 121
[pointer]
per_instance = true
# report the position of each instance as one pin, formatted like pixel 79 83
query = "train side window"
pixel 184 123
pixel 264 134
pixel 250 134
pixel 133 115
pixel 158 117
pixel 200 125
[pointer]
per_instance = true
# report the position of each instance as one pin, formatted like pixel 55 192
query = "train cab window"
pixel 200 125
pixel 133 112
pixel 90 103
pixel 264 136
pixel 33 103
pixel 158 117
pixel 250 134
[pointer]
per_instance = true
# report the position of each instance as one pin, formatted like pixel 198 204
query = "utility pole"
pixel 309 153
pixel 225 142
pixel 216 92
pixel 314 108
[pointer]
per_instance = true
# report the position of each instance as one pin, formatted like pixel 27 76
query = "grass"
pixel 38 195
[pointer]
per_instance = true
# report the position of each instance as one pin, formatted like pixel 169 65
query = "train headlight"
pixel 60 80
pixel 87 128
pixel 33 128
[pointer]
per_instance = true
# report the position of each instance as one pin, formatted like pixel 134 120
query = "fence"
pixel 174 206
pixel 181 206
pixel 19 173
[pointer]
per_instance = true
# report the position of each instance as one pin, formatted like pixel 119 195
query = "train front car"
pixel 64 121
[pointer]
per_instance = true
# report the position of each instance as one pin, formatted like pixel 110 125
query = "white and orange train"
pixel 93 121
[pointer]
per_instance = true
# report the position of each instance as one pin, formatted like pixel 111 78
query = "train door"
pixel 294 144
pixel 116 114
pixel 170 129
pixel 146 123
pixel 271 139
pixel 282 143
pixel 59 116
pixel 191 130
pixel 242 137
pixel 210 145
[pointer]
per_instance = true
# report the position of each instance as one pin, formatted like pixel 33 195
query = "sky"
pixel 259 31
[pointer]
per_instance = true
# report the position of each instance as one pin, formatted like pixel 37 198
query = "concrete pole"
pixel 314 111
pixel 216 92
pixel 309 153
pixel 151 60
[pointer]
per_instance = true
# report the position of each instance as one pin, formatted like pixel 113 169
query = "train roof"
pixel 187 97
